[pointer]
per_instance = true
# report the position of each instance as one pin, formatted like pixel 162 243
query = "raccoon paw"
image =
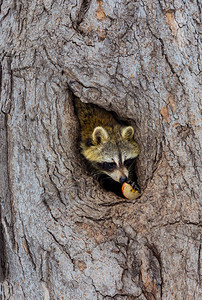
pixel 134 185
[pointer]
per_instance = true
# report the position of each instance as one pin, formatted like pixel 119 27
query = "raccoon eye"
pixel 128 162
pixel 108 166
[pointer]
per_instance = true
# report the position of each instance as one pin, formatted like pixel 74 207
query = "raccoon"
pixel 107 144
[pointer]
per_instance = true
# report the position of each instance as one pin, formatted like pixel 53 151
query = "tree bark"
pixel 63 236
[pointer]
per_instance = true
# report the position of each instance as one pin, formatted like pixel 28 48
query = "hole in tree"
pixel 107 143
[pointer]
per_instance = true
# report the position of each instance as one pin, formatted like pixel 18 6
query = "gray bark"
pixel 63 236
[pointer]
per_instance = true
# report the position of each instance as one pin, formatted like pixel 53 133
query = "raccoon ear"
pixel 127 133
pixel 99 135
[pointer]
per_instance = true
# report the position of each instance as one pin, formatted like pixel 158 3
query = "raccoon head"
pixel 112 151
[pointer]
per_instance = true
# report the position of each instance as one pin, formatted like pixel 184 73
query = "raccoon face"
pixel 112 151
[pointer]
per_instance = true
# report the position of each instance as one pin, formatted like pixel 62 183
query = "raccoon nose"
pixel 122 179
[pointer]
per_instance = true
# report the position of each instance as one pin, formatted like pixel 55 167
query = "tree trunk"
pixel 62 235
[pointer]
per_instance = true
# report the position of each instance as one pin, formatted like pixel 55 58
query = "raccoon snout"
pixel 123 179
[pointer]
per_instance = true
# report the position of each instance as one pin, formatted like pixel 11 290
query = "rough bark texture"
pixel 62 235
